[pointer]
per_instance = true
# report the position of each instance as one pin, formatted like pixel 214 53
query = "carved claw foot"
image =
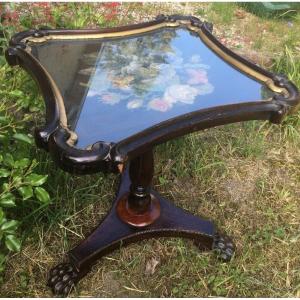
pixel 62 279
pixel 223 246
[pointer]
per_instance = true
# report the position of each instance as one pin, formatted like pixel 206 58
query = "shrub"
pixel 21 187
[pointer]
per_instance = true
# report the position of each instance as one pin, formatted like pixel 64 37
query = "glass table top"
pixel 114 88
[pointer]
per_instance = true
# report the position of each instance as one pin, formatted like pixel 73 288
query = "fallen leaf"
pixel 151 265
pixel 240 14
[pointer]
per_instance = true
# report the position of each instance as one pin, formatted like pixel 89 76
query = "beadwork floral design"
pixel 159 104
pixel 134 104
pixel 148 73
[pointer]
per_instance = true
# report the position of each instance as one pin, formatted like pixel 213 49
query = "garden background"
pixel 245 176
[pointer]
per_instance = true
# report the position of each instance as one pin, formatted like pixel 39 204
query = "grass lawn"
pixel 245 176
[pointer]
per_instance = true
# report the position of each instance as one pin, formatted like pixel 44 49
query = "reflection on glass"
pixel 118 87
pixel 156 76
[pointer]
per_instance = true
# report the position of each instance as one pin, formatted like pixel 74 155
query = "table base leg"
pixel 113 233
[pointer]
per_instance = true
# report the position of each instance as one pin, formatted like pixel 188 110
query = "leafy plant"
pixel 21 187
pixel 22 191
pixel 272 9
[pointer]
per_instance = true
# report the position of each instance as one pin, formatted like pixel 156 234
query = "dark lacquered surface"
pixel 115 88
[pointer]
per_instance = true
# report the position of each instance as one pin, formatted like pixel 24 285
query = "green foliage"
pixel 289 63
pixel 272 9
pixel 20 185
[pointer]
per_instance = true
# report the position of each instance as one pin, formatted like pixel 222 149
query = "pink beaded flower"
pixel 159 104
pixel 197 76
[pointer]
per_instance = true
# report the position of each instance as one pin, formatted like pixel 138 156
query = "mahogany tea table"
pixel 113 94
